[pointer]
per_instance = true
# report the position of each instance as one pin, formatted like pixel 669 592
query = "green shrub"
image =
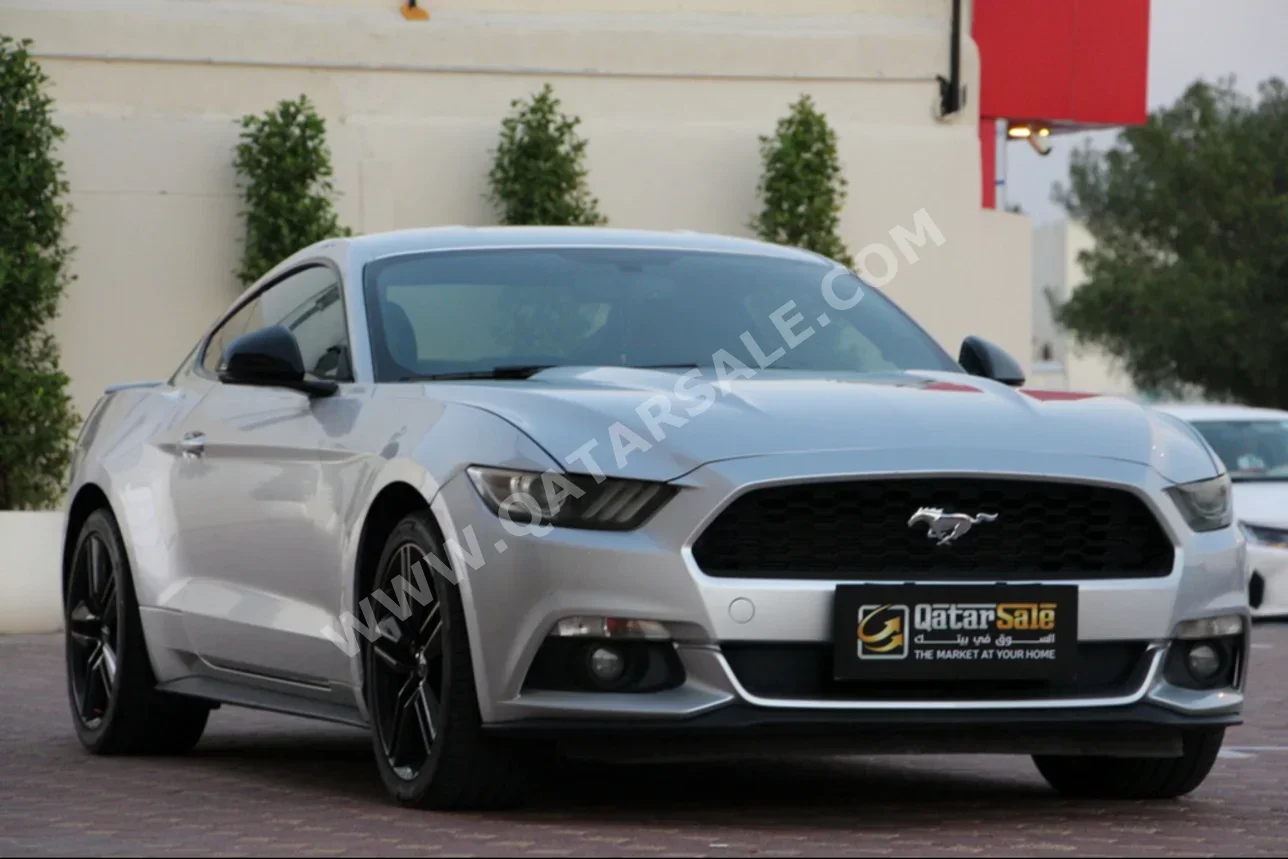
pixel 538 174
pixel 803 186
pixel 285 170
pixel 36 416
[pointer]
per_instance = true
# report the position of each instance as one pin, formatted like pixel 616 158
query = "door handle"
pixel 193 444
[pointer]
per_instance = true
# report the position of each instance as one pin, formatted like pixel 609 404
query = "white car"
pixel 1253 443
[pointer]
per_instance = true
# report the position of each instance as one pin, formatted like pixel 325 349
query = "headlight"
pixel 569 500
pixel 1206 505
pixel 1260 535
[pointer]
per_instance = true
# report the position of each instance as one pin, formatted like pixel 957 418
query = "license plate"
pixel 956 632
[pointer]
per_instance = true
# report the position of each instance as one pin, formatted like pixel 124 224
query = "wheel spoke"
pixel 83 625
pixel 433 635
pixel 95 573
pixel 83 639
pixel 403 715
pixel 84 618
pixel 433 618
pixel 108 664
pixel 391 657
pixel 404 563
pixel 92 689
pixel 426 715
pixel 393 647
pixel 108 601
pixel 387 720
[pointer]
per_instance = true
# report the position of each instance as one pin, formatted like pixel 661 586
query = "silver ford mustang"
pixel 497 493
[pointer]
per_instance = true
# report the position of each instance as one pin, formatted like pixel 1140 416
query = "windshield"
pixel 474 311
pixel 1251 450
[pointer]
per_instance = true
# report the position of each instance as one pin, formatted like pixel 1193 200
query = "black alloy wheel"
pixel 116 706
pixel 430 744
pixel 407 664
pixel 93 631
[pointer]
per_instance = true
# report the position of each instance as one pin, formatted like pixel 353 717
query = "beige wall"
pixel 673 94
pixel 1050 274
pixel 1056 247
pixel 29 578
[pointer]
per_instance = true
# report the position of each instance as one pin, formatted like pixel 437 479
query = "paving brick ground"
pixel 263 785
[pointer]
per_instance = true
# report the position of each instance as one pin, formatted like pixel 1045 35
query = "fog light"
pixel 1204 662
pixel 607 665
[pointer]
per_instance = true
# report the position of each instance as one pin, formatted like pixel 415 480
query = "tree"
pixel 803 187
pixel 538 173
pixel 36 416
pixel 285 169
pixel 1188 282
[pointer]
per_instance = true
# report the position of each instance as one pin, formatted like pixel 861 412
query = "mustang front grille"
pixel 862 530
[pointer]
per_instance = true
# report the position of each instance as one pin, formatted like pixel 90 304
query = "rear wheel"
pixel 116 708
pixel 1135 778
pixel 427 731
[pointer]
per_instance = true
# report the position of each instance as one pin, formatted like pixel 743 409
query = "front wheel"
pixel 427 731
pixel 116 708
pixel 1135 778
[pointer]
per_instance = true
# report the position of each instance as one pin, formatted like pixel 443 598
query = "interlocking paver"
pixel 264 785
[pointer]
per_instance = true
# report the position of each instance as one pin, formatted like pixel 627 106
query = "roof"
pixel 1212 412
pixel 449 238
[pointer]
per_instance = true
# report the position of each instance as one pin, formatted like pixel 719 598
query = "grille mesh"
pixel 858 530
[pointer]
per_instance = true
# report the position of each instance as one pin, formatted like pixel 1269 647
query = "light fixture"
pixel 1210 627
pixel 1207 505
pixel 412 11
pixel 611 628
pixel 569 500
pixel 1204 662
pixel 607 665
pixel 1035 134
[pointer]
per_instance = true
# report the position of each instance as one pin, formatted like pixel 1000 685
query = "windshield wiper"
pixel 505 371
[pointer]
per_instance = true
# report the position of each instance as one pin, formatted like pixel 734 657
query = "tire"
pixel 1135 778
pixel 442 761
pixel 116 708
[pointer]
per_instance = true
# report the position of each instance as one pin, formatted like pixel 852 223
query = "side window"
pixel 243 321
pixel 309 304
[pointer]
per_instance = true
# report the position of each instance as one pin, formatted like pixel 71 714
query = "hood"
pixel 1262 502
pixel 565 408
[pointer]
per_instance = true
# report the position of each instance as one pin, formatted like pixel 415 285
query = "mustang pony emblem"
pixel 947 527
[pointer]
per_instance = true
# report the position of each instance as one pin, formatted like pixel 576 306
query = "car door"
pixel 256 500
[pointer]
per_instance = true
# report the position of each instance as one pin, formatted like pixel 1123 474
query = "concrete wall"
pixel 1050 277
pixel 1056 247
pixel 30 589
pixel 673 94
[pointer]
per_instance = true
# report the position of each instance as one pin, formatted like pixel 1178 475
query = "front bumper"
pixel 517 587
pixel 741 730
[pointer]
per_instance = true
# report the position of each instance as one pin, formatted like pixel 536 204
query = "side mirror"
pixel 982 358
pixel 270 358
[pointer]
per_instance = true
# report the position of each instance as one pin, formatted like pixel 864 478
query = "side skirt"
pixel 237 695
